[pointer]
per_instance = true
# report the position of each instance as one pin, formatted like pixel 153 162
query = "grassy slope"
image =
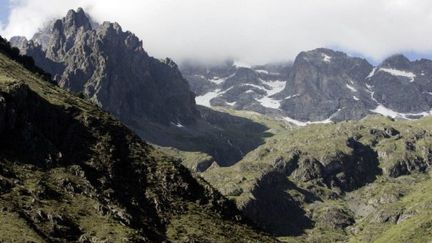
pixel 102 184
pixel 386 196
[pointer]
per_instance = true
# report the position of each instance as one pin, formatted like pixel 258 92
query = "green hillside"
pixel 70 172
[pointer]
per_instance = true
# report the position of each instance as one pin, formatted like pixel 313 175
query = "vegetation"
pixel 356 181
pixel 70 172
pixel 27 61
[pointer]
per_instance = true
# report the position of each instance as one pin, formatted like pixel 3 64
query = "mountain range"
pixel 320 86
pixel 228 156
pixel 104 64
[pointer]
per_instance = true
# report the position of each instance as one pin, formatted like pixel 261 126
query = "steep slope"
pixel 402 86
pixel 110 67
pixel 326 84
pixel 70 172
pixel 356 181
pixel 321 86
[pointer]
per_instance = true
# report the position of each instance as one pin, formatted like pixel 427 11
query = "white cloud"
pixel 255 31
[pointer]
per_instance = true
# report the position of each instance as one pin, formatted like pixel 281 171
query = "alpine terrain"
pixel 109 67
pixel 70 172
pixel 320 86
pixel 101 142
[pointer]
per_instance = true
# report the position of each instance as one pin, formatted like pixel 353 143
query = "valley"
pixel 102 142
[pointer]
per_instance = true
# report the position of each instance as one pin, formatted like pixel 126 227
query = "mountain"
pixel 353 181
pixel 321 85
pixel 70 172
pixel 109 67
pixel 236 86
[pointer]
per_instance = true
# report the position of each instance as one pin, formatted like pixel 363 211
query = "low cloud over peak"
pixel 254 31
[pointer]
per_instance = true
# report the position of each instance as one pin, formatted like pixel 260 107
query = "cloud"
pixel 254 31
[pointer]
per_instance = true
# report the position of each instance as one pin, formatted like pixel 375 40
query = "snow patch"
pixel 355 98
pixel 399 73
pixel 372 73
pixel 326 58
pixel 276 86
pixel 380 109
pixel 204 100
pixel 302 124
pixel 269 102
pixel 253 85
pixel 262 71
pixel 177 124
pixel 351 88
pixel 291 96
pixel 231 103
pixel 217 80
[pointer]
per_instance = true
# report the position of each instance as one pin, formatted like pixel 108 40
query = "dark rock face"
pixel 323 84
pixel 112 69
pixel 320 85
pixel 402 85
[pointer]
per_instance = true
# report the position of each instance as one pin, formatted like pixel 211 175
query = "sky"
pixel 251 31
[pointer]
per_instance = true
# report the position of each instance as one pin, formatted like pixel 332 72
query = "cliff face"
pixel 111 68
pixel 71 172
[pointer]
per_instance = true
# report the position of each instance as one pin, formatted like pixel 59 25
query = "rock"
pixel 308 169
pixel 109 65
pixel 334 218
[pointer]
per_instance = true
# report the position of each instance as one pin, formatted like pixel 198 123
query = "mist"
pixel 252 31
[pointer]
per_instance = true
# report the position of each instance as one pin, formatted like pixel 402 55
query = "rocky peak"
pixel 76 19
pixel 397 61
pixel 110 67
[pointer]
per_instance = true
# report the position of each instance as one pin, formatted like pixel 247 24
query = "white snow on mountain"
pixel 372 73
pixel 302 124
pixel 351 88
pixel 380 109
pixel 326 58
pixel 204 100
pixel 399 73
pixel 261 71
pixel 276 86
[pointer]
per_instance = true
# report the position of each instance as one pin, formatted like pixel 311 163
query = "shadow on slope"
pixel 275 210
pixel 139 187
pixel 225 137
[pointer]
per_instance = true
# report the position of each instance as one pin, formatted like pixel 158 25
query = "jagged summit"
pixel 110 67
pixel 76 19
pixel 398 61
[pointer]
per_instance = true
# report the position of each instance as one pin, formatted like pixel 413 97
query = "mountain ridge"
pixel 71 172
pixel 321 86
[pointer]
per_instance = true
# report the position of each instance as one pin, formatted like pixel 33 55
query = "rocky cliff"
pixel 110 67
